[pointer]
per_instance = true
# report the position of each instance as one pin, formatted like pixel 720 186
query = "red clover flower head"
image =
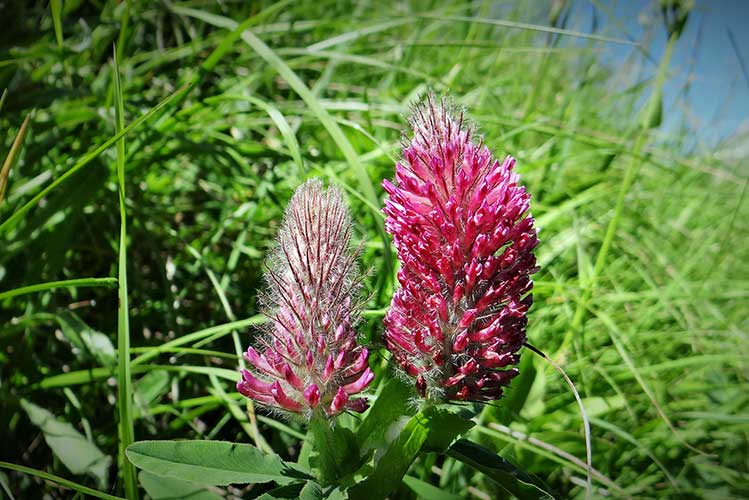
pixel 308 360
pixel 465 240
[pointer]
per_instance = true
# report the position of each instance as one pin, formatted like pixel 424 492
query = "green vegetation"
pixel 148 152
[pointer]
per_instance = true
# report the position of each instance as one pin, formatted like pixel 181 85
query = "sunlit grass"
pixel 644 246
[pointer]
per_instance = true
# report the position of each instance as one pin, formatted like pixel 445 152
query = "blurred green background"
pixel 643 285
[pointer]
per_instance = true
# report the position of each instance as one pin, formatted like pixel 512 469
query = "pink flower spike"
pixel 465 239
pixel 309 356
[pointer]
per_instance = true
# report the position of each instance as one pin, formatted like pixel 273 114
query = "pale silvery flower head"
pixel 308 359
pixel 465 240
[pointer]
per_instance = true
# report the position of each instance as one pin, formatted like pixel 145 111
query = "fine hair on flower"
pixel 308 361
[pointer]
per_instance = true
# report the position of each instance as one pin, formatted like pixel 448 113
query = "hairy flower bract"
pixel 308 359
pixel 465 240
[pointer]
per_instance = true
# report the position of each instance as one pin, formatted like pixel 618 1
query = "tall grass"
pixel 126 432
pixel 226 108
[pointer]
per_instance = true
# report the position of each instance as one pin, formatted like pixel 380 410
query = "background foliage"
pixel 641 294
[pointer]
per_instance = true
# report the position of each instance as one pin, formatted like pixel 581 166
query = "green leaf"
pixel 506 475
pixel 434 427
pixel 290 491
pixel 70 446
pixel 149 389
pixel 165 488
pixel 337 494
pixel 391 405
pixel 95 344
pixel 216 463
pixel 517 395
pixel 298 491
pixel 311 491
pixel 427 491
pixel 306 450
pixel 335 450
pixel 445 424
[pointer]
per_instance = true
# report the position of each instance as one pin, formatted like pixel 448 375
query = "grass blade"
pixel 56 7
pixel 210 332
pixel 531 27
pixel 11 221
pixel 6 486
pixel 583 416
pixel 314 104
pixel 10 160
pixel 651 111
pixel 283 126
pixel 124 381
pixel 50 285
pixel 615 335
pixel 66 483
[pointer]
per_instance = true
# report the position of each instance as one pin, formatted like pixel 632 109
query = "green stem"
pixel 324 445
pixel 336 452
pixel 125 429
